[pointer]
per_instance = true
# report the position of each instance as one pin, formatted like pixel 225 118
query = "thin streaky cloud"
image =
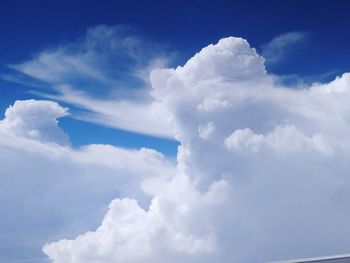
pixel 277 49
pixel 105 73
pixel 144 117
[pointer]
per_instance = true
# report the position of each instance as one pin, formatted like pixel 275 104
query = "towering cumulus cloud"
pixel 261 174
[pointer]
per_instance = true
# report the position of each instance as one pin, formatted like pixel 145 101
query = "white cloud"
pixel 142 117
pixel 285 197
pixel 244 139
pixel 275 50
pixel 104 56
pixel 103 75
pixel 261 170
pixel 206 131
pixel 49 190
pixel 35 120
pixel 282 140
pixel 133 235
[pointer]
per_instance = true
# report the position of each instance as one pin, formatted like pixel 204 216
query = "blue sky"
pixel 180 28
pixel 189 131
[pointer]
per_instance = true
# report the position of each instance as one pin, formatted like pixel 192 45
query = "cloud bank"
pixel 261 171
pixel 49 190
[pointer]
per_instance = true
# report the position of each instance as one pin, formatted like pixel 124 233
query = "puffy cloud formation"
pixel 261 171
pixel 35 120
pixel 49 190
pixel 281 139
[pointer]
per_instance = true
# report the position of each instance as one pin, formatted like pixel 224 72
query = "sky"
pixel 173 131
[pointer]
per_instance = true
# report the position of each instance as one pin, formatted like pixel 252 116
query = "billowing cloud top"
pixel 35 120
pixel 231 59
pixel 261 171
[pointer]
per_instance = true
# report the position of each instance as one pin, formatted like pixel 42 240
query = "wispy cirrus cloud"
pixel 105 74
pixel 139 116
pixel 277 49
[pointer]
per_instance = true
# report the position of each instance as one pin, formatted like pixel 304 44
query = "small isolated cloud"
pixel 277 49
pixel 261 171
